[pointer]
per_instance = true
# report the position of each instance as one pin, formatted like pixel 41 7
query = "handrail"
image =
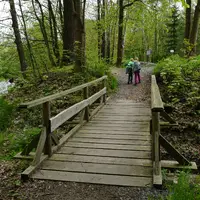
pixel 156 101
pixel 59 94
pixel 157 110
pixel 80 110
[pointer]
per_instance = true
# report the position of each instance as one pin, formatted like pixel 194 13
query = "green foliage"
pixel 184 190
pixel 6 111
pixel 11 143
pixel 9 61
pixel 181 78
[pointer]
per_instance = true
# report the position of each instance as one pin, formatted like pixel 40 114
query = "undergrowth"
pixel 184 189
pixel 180 77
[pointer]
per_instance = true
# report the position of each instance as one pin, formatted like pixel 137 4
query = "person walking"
pixel 136 69
pixel 129 70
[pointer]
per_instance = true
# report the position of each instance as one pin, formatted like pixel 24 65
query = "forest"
pixel 48 46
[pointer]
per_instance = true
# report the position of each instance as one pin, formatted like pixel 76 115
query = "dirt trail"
pixel 139 93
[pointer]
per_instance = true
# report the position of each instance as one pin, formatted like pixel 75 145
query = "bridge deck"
pixel 114 148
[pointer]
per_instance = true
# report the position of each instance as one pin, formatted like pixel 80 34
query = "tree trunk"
pixel 31 55
pixel 43 30
pixel 60 7
pixel 188 20
pixel 120 34
pixel 99 27
pixel 194 31
pixel 108 46
pixel 68 32
pixel 53 25
pixel 79 35
pixel 103 44
pixel 18 40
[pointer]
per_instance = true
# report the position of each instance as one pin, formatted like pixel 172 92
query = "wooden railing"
pixel 50 124
pixel 157 110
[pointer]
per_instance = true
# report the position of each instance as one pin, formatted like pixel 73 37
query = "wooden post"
pixel 86 95
pixel 46 123
pixel 156 146
pixel 104 96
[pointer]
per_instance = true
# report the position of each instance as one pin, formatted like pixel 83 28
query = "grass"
pixel 184 189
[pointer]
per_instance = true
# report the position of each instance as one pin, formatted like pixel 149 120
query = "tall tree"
pixel 54 34
pixel 195 26
pixel 172 39
pixel 103 43
pixel 79 10
pixel 188 20
pixel 18 39
pixel 31 55
pixel 41 21
pixel 120 46
pixel 68 31
pixel 120 34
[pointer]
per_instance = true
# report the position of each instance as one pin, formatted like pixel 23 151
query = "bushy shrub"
pixel 6 110
pixel 180 77
pixel 184 190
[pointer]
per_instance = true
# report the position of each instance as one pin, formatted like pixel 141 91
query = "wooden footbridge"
pixel 106 142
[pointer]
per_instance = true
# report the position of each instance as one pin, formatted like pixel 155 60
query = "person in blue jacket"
pixel 129 70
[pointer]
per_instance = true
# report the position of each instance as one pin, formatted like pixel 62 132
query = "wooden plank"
pixel 157 175
pixel 25 157
pixel 167 117
pixel 59 94
pixel 104 96
pixel 101 159
pixel 25 175
pixel 129 109
pixel 94 121
pixel 95 111
pixel 116 128
pixel 122 137
pixel 71 111
pixel 46 113
pixel 127 104
pixel 97 168
pixel 167 124
pixel 128 101
pixel 156 144
pixel 67 137
pixel 130 115
pixel 105 152
pixel 131 125
pixel 54 138
pixel 124 113
pixel 173 152
pixel 94 97
pixel 85 96
pixel 67 114
pixel 116 132
pixel 156 101
pixel 108 146
pixel 40 147
pixel 125 118
pixel 94 178
pixel 172 164
pixel 111 141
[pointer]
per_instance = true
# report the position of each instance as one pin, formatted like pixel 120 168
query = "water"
pixel 4 85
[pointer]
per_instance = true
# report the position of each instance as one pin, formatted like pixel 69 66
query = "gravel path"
pixel 45 190
pixel 139 93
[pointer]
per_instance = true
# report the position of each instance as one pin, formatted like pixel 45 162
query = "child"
pixel 136 69
pixel 129 71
